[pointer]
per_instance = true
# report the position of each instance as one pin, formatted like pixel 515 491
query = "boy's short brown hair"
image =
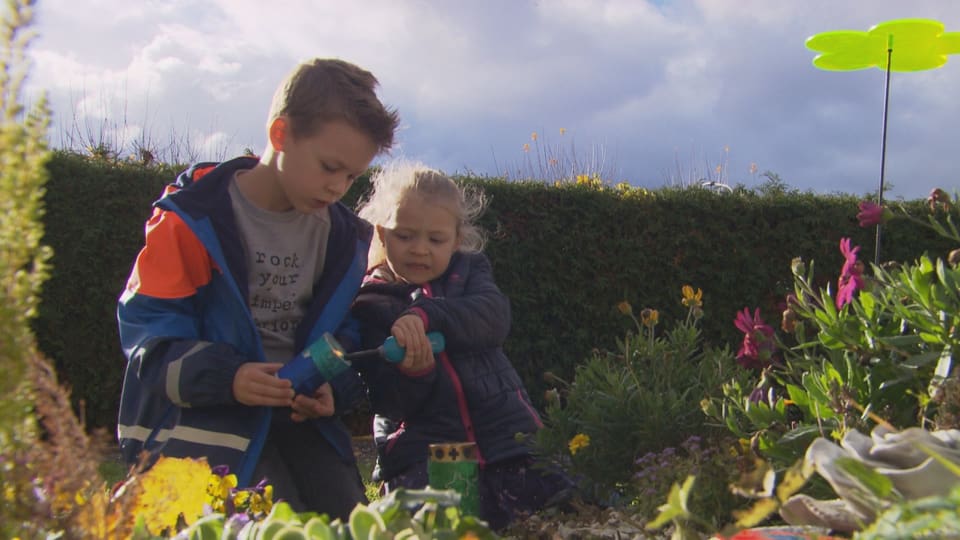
pixel 328 89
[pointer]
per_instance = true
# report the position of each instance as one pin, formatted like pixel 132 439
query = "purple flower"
pixel 871 214
pixel 851 275
pixel 758 346
pixel 692 444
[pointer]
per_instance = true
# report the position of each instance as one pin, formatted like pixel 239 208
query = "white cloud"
pixel 644 80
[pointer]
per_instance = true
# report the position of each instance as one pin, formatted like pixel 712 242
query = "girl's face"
pixel 423 239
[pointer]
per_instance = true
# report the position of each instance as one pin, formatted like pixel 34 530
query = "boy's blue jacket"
pixel 185 327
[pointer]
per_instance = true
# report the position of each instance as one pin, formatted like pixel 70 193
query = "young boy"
pixel 245 263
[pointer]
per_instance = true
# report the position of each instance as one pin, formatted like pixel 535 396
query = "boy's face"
pixel 315 171
pixel 420 244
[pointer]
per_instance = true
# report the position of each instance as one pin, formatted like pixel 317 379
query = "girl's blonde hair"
pixel 393 182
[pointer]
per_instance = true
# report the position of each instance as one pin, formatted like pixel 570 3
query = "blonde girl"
pixel 427 273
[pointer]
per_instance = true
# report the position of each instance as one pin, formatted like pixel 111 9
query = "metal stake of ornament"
pixel 897 45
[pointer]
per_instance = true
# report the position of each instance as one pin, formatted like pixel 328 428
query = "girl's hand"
pixel 257 384
pixel 411 335
pixel 321 404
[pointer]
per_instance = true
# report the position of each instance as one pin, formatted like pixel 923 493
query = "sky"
pixel 654 93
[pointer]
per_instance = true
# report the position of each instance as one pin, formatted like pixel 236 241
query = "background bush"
pixel 565 255
pixel 96 211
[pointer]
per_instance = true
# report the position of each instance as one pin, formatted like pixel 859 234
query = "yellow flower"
pixel 261 504
pixel 219 488
pixel 742 448
pixel 583 179
pixel 579 441
pixel 172 488
pixel 649 317
pixel 241 499
pixel 625 308
pixel 563 130
pixel 526 147
pixel 690 298
pixel 533 136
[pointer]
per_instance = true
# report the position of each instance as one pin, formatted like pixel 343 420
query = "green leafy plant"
pixel 761 485
pixel 878 351
pixel 929 517
pixel 44 465
pixel 642 398
pixel 879 347
pixel 715 463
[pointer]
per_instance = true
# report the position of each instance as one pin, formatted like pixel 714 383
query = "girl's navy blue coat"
pixel 473 393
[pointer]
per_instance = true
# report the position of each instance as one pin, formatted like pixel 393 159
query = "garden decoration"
pixel 870 473
pixel 455 466
pixel 897 45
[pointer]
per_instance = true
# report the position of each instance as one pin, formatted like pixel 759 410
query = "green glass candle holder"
pixel 455 466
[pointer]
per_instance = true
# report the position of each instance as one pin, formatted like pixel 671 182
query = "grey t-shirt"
pixel 285 252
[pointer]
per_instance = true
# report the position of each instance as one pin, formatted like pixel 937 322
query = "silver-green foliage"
pixel 403 514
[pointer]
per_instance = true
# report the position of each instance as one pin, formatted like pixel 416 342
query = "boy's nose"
pixel 339 187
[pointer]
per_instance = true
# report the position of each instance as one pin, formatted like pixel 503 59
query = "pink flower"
pixel 851 275
pixel 938 197
pixel 758 347
pixel 871 214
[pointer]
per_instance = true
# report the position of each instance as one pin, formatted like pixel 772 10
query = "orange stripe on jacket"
pixel 200 172
pixel 173 263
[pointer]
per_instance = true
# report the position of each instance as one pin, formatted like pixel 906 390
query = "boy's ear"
pixel 278 133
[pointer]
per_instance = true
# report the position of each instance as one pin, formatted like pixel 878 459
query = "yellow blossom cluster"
pixel 578 442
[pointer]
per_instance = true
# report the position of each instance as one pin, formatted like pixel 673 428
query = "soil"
pixel 365 450
pixel 583 522
pixel 579 522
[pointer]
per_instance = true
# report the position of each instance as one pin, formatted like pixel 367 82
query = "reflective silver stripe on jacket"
pixel 189 434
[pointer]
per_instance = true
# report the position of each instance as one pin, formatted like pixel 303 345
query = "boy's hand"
pixel 256 383
pixel 321 404
pixel 410 334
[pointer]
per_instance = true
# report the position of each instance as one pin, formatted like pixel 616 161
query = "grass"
pixel 366 453
pixel 113 470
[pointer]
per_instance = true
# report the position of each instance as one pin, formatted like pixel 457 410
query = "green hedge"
pixel 565 255
pixel 95 213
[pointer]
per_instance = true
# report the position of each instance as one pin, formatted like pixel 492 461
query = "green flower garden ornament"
pixel 916 45
pixel 897 45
